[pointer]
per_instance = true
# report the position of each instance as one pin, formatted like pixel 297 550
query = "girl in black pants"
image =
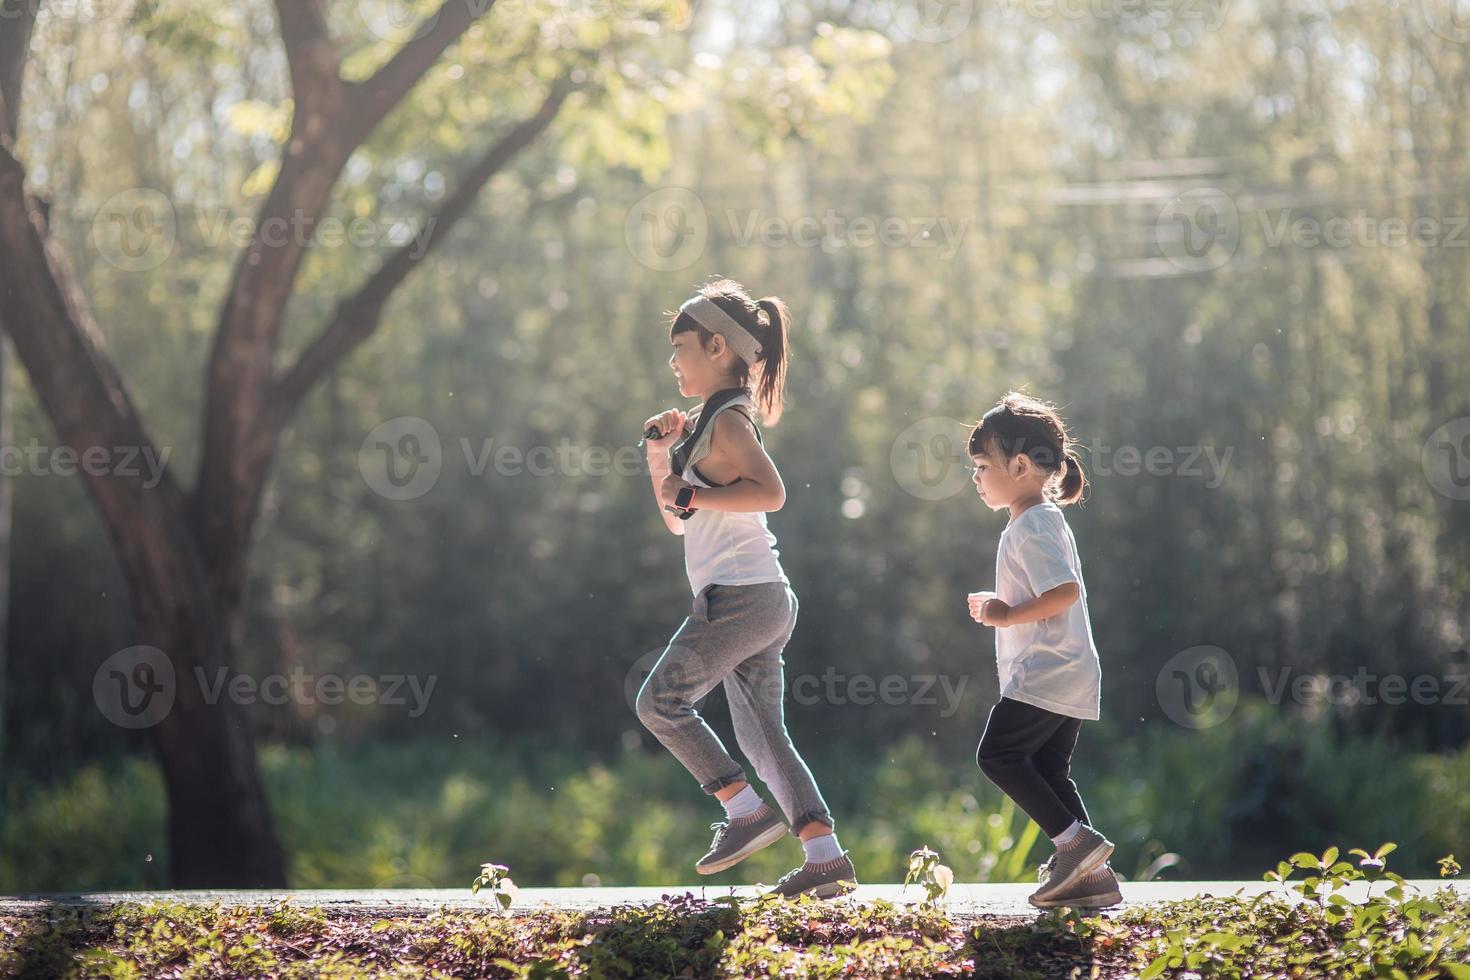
pixel 1050 680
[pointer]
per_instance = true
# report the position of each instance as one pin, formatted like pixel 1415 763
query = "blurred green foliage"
pixel 422 814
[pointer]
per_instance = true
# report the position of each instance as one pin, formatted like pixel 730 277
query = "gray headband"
pixel 707 313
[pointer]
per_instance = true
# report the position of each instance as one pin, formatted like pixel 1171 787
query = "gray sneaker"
pixel 1096 890
pixel 1074 861
pixel 818 881
pixel 734 843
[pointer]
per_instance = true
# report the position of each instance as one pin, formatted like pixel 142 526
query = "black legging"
pixel 1027 752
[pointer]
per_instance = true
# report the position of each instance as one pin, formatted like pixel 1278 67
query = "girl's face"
pixel 698 370
pixel 999 481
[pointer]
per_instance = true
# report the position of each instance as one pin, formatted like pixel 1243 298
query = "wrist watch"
pixel 684 500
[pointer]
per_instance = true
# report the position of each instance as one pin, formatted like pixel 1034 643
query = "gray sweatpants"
pixel 735 634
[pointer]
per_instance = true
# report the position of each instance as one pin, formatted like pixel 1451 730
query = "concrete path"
pixel 967 899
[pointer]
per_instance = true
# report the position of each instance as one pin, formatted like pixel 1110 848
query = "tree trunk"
pixel 184 555
pixel 219 823
pixel 5 504
pixel 220 827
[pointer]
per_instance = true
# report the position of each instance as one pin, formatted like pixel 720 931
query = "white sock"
pixel 1065 837
pixel 743 804
pixel 820 850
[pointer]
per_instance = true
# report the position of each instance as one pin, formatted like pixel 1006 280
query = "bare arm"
pixel 756 486
pixel 658 471
pixel 993 612
pixel 671 424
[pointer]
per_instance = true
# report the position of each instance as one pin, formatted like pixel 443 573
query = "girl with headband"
pixel 714 484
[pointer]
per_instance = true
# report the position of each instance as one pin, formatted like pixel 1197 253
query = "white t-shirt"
pixel 1051 663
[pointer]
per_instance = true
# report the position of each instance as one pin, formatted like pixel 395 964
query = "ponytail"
pixel 1074 481
pixel 768 320
pixel 1021 424
pixel 770 370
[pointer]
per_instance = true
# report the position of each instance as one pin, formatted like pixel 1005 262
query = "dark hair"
pixel 768 319
pixel 1023 424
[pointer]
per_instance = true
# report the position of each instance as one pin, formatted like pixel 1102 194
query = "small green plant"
pixel 1391 934
pixel 496 879
pixel 1449 867
pixel 1326 876
pixel 926 872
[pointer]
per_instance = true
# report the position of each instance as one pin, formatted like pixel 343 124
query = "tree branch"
pixel 332 118
pixel 47 315
pixel 375 97
pixel 19 20
pixel 83 396
pixel 311 54
pixel 358 316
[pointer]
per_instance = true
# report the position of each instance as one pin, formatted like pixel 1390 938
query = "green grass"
pixel 427 814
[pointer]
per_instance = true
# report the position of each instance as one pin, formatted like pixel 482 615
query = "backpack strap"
pixel 751 419
pixel 695 446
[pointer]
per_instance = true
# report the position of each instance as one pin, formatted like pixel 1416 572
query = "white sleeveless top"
pixel 728 548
